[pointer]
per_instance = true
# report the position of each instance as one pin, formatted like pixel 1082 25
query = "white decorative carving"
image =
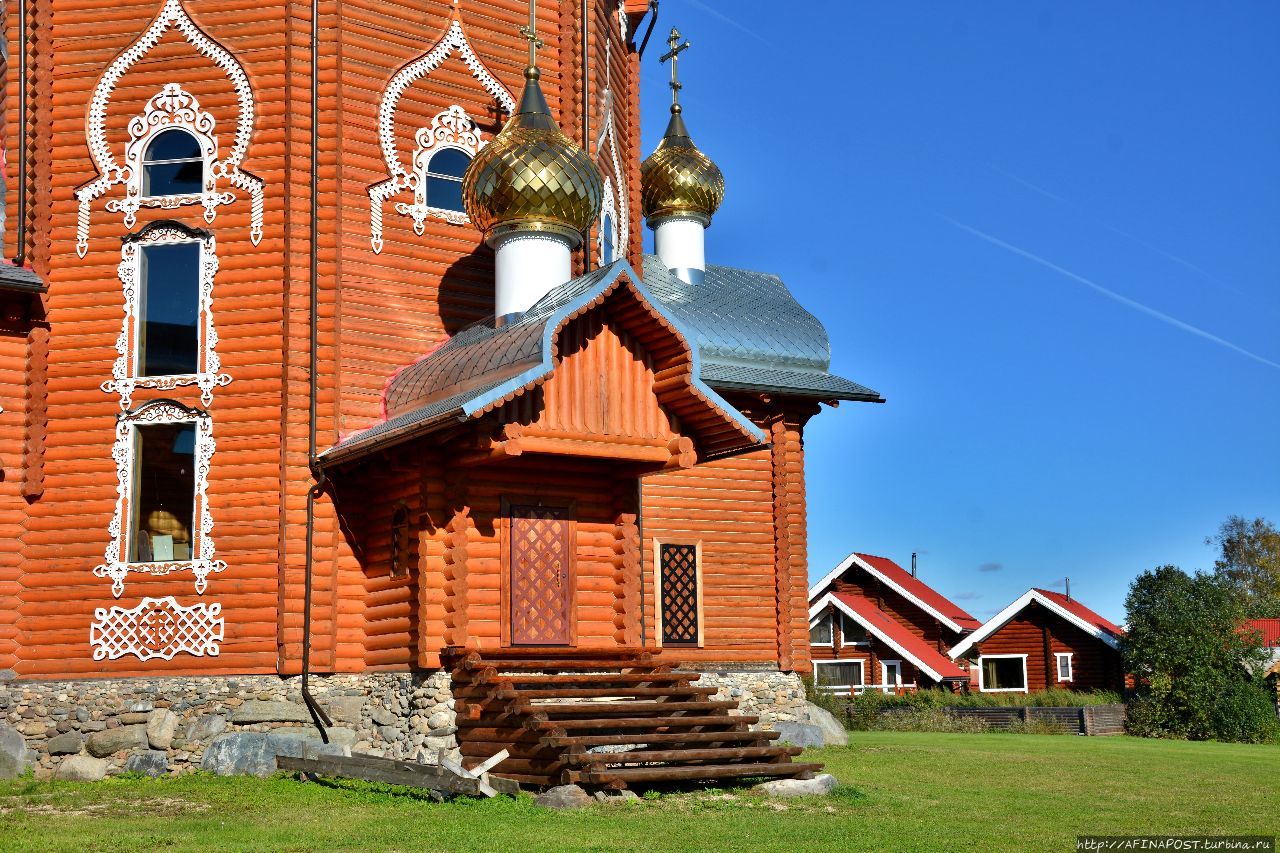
pixel 172 107
pixel 117 565
pixel 623 26
pixel 124 374
pixel 452 128
pixel 156 628
pixel 398 177
pixel 618 192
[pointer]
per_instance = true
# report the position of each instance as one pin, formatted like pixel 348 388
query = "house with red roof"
pixel 1270 631
pixel 1044 639
pixel 874 625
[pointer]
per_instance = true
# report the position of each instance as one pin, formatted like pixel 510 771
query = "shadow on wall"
pixel 466 289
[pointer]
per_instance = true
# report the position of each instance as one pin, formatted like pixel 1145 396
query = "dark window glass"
pixel 606 229
pixel 821 631
pixel 851 631
pixel 444 178
pixel 172 165
pixel 1003 674
pixel 840 674
pixel 168 340
pixel 400 543
pixel 164 489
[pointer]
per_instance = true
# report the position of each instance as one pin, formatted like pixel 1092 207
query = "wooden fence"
pixel 1086 720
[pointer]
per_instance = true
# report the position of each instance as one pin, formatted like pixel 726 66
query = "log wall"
pixel 1039 634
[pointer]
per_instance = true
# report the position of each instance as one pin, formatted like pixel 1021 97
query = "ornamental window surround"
pixel 167 337
pixel 172 107
pixel 162 522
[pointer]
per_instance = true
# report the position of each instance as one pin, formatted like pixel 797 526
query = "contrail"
pixel 1164 253
pixel 730 21
pixel 1111 294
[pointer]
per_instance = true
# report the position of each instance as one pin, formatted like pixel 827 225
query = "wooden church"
pixel 330 347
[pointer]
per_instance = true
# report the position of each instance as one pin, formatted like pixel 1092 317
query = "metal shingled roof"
pixel 749 334
pixel 20 279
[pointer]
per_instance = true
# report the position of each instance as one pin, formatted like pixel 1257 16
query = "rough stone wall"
pixel 166 725
pixel 87 729
pixel 775 697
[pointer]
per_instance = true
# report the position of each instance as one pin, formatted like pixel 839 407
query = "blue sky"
pixel 1047 233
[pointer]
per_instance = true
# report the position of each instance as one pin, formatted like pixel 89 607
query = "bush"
pixel 925 710
pixel 1245 713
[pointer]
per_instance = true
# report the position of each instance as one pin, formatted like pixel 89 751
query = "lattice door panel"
pixel 679 594
pixel 541 593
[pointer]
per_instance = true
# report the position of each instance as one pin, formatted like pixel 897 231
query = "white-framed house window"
pixel 1002 673
pixel 1063 661
pixel 822 630
pixel 839 676
pixel 890 675
pixel 162 521
pixel 852 633
pixel 167 338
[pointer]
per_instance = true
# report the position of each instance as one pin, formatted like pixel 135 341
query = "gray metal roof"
pixel 752 334
pixel 748 332
pixel 20 279
pixel 481 365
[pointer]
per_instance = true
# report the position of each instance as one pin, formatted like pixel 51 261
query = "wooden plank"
pixel 647 756
pixel 644 722
pixel 372 769
pixel 706 771
pixel 589 740
pixel 600 709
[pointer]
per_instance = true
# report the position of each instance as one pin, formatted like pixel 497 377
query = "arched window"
pixel 444 179
pixel 606 226
pixel 173 164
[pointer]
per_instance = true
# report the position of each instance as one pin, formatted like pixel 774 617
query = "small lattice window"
pixel 173 165
pixel 444 179
pixel 400 550
pixel 680 594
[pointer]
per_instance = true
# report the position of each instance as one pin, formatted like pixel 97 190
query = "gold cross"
pixel 530 33
pixel 674 56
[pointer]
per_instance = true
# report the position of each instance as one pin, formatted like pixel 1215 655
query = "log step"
pixel 628 708
pixel 649 756
pixel 551 658
pixel 607 723
pixel 589 740
pixel 607 692
pixel 539 679
pixel 703 771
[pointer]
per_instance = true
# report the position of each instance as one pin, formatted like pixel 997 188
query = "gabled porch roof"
pixel 485 365
pixel 893 634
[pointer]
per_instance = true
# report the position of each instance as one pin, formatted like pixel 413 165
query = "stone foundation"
pixel 775 697
pixel 165 726
pixel 90 728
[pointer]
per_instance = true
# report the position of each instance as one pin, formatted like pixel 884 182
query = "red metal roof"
pixel 1270 630
pixel 921 590
pixel 898 637
pixel 1083 612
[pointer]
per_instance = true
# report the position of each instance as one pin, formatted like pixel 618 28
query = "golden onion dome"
pixel 531 176
pixel 679 180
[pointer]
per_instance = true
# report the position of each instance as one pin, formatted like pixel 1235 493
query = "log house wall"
pixel 1039 634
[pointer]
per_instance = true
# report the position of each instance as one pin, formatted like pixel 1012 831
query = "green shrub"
pixel 1245 712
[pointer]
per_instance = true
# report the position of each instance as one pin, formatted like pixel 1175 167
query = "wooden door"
pixel 540 592
pixel 680 595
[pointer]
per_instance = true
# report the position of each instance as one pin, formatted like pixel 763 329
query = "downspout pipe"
pixel 653 20
pixel 318 715
pixel 20 231
pixel 586 114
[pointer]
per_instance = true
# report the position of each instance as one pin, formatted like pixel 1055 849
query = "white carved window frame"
pixel 399 177
pixel 157 628
pixel 454 129
pixel 117 566
pixel 177 107
pixel 609 215
pixel 615 184
pixel 124 374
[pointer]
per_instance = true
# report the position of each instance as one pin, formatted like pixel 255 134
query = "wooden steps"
pixel 559 711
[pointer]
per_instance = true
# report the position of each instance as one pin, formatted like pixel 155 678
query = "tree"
pixel 1250 563
pixel 1192 665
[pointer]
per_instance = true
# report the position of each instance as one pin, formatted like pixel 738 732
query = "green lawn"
pixel 899 791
